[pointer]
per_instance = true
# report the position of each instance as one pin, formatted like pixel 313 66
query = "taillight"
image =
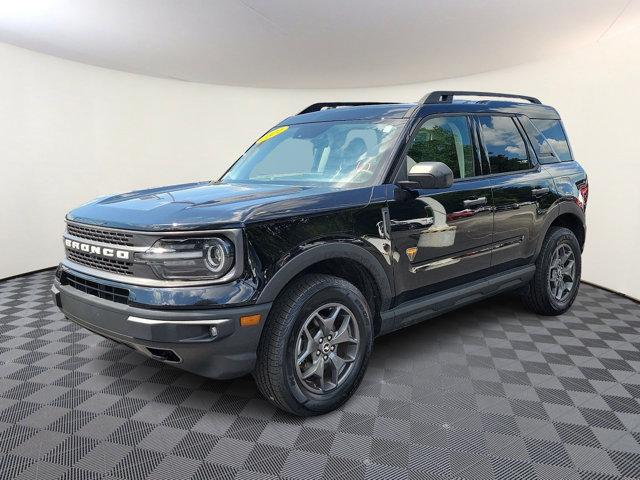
pixel 583 194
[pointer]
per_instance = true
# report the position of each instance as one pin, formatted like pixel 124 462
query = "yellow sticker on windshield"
pixel 271 134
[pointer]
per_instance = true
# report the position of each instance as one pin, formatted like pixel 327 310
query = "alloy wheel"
pixel 562 272
pixel 326 348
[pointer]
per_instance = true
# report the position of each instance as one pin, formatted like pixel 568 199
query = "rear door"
pixel 441 238
pixel 522 190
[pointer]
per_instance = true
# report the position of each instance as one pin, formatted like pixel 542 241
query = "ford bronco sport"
pixel 344 222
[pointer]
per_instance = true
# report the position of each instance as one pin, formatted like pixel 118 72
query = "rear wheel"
pixel 555 284
pixel 315 346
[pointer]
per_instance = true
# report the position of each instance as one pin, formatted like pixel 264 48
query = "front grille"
pixel 107 264
pixel 114 294
pixel 100 235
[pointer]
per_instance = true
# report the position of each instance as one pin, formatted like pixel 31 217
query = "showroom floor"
pixel 491 391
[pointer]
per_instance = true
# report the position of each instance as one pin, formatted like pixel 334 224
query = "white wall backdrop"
pixel 70 132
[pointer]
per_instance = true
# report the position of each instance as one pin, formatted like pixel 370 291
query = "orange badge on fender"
pixel 411 253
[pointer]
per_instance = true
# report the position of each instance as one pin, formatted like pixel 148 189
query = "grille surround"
pixel 106 292
pixel 102 235
pixel 112 265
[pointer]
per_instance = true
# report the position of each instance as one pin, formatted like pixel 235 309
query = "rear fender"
pixel 567 206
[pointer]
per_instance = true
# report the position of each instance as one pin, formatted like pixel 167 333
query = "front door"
pixel 442 238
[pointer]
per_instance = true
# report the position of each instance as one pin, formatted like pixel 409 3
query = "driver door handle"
pixel 474 202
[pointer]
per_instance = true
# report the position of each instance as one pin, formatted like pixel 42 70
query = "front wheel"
pixel 555 284
pixel 316 345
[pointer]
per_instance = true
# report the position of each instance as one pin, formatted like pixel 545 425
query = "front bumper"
pixel 181 337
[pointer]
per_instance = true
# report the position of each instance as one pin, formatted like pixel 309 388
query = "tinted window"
pixel 504 144
pixel 542 147
pixel 446 140
pixel 554 133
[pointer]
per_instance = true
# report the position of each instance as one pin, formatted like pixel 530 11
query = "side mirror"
pixel 429 175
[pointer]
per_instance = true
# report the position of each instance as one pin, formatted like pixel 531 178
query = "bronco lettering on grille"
pixel 97 250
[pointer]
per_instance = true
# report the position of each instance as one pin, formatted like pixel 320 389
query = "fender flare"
pixel 328 251
pixel 564 207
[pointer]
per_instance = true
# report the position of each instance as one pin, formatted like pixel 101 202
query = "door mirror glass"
pixel 431 175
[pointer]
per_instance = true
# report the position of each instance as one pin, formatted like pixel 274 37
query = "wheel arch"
pixel 346 260
pixel 573 223
pixel 567 215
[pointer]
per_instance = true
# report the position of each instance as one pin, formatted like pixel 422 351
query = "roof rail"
pixel 447 96
pixel 316 107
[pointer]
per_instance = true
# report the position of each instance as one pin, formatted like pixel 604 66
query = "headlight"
pixel 190 258
pixel 219 256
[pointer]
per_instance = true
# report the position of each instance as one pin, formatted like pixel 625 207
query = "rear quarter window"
pixel 554 134
pixel 541 146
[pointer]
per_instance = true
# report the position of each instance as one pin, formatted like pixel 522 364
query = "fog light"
pixel 214 331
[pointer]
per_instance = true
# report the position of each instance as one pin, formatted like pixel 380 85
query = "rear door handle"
pixel 474 202
pixel 539 192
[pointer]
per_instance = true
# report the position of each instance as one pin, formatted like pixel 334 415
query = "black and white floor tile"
pixel 490 391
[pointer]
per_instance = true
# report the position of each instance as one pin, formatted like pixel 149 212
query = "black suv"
pixel 344 222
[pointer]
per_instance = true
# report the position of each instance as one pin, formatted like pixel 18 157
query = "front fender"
pixel 328 251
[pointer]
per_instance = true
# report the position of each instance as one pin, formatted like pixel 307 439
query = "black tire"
pixel 538 295
pixel 276 373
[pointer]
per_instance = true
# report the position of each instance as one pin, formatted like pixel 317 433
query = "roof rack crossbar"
pixel 316 107
pixel 443 96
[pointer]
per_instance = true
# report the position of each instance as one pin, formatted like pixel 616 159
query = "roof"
pixel 405 110
pixel 362 112
pixel 531 110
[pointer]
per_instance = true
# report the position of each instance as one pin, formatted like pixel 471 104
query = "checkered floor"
pixel 490 391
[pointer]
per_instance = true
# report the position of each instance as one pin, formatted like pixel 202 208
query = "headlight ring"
pixel 219 256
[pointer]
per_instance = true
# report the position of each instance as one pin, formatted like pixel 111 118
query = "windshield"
pixel 328 153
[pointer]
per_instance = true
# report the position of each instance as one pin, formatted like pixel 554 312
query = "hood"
pixel 213 205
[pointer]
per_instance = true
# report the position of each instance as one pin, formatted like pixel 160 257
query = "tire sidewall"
pixel 321 294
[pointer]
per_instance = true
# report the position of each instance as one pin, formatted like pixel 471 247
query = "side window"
pixel 542 147
pixel 505 146
pixel 554 133
pixel 447 140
